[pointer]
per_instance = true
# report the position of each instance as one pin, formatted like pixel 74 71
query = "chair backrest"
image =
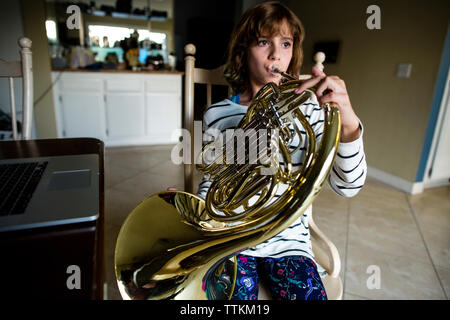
pixel 195 75
pixel 24 70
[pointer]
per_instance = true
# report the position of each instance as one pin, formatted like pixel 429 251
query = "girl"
pixel 270 35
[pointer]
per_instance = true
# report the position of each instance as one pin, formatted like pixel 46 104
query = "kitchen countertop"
pixel 119 71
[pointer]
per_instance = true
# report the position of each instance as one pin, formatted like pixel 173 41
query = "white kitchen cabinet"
pixel 125 116
pixel 163 116
pixel 119 108
pixel 82 114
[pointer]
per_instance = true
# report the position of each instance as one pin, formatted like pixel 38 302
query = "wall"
pixel 34 28
pixel 11 29
pixel 394 110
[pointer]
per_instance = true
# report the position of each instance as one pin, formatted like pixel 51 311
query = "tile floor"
pixel 403 238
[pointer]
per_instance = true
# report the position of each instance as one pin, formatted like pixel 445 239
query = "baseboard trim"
pixel 394 181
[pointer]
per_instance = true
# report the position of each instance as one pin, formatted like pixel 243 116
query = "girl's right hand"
pixel 317 77
pixel 332 89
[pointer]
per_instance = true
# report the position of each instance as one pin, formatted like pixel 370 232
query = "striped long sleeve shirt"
pixel 346 178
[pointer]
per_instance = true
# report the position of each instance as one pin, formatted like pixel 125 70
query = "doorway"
pixel 438 168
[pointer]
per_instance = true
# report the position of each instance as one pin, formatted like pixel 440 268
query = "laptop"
pixel 48 191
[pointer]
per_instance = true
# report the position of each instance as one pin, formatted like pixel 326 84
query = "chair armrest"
pixel 324 250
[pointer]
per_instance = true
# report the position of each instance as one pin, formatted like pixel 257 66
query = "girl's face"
pixel 269 51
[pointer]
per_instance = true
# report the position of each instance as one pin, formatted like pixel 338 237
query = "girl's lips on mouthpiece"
pixel 274 69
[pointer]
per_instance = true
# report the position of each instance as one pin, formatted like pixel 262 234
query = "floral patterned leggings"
pixel 288 278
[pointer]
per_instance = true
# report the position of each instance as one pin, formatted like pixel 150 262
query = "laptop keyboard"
pixel 17 184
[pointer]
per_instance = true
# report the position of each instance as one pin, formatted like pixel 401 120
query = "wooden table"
pixel 34 263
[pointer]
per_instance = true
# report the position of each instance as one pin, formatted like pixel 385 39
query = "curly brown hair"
pixel 262 18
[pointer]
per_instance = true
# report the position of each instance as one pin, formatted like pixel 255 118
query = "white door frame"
pixel 443 110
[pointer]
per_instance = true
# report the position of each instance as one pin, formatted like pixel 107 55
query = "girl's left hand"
pixel 332 89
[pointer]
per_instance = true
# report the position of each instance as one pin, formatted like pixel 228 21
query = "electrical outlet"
pixel 404 70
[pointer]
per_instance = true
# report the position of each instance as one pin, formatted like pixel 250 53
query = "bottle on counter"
pixel 172 61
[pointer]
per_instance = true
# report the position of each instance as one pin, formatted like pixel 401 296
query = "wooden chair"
pixel 325 252
pixel 24 70
pixel 192 76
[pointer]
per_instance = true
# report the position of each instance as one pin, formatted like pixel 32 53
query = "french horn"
pixel 175 245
